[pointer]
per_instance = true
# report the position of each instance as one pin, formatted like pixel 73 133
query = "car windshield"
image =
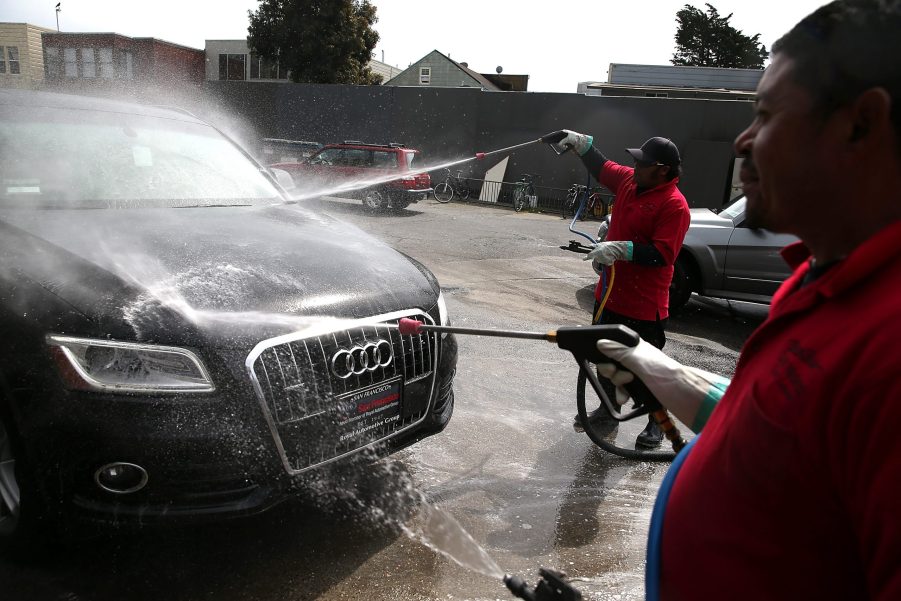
pixel 62 158
pixel 735 209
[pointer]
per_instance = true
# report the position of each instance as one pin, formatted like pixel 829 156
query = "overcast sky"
pixel 557 43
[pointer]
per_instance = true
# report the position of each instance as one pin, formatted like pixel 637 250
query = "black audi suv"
pixel 177 338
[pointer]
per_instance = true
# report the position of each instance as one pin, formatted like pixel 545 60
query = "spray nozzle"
pixel 551 587
pixel 480 156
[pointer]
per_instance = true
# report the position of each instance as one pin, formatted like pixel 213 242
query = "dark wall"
pixel 455 123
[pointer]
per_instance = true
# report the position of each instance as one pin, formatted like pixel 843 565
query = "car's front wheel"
pixel 22 533
pixel 375 200
pixel 683 284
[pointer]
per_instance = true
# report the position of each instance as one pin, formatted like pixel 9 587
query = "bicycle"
pixel 572 201
pixel 597 207
pixel 523 191
pixel 451 186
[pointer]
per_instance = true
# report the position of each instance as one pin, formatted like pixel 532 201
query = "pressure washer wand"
pixel 481 155
pixel 581 341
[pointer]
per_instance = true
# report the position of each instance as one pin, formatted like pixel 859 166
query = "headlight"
pixel 128 367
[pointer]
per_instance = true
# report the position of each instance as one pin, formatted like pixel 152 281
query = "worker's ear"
pixel 870 112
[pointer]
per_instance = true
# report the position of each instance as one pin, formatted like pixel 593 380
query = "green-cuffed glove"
pixel 564 137
pixel 607 253
pixel 690 393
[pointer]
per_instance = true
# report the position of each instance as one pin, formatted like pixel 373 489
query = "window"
pixel 107 71
pixel 656 95
pixel 12 56
pixel 425 75
pixel 265 68
pixel 51 62
pixel 88 68
pixel 71 62
pixel 231 66
pixel 355 157
pixel 383 159
pixel 2 61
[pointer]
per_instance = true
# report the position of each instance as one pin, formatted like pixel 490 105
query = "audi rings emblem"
pixel 360 359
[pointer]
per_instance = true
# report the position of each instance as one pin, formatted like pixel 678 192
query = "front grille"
pixel 316 415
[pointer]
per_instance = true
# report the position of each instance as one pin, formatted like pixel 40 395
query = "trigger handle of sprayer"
pixel 560 149
pixel 551 587
pixel 582 343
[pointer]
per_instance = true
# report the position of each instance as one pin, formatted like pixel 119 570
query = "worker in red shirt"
pixel 641 244
pixel 792 490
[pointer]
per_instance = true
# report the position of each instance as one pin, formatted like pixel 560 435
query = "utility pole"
pixel 57 14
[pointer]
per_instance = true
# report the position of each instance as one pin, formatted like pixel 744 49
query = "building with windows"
pixel 437 70
pixel 232 60
pixel 672 81
pixel 21 55
pixel 114 62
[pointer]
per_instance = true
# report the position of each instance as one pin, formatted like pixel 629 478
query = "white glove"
pixel 690 393
pixel 607 253
pixel 565 137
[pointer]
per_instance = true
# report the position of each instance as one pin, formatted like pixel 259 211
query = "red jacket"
pixel 659 216
pixel 794 489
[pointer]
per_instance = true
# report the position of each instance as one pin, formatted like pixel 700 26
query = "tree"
pixel 318 41
pixel 708 40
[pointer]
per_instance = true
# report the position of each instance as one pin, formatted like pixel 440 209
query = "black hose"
pixel 597 437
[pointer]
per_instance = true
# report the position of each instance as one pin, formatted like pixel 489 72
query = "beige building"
pixel 21 55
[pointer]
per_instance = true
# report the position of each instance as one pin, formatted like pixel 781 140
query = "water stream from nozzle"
pixel 360 184
pixel 438 530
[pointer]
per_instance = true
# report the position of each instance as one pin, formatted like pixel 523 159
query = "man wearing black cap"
pixel 641 245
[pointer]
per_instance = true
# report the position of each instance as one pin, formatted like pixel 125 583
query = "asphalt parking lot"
pixel 509 468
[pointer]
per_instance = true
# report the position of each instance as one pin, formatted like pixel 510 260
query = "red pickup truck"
pixel 381 175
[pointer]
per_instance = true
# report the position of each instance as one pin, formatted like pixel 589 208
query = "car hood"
pixel 707 218
pixel 218 271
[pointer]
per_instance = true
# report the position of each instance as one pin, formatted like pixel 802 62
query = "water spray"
pixel 358 185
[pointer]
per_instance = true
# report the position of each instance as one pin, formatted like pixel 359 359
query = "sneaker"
pixel 650 437
pixel 596 417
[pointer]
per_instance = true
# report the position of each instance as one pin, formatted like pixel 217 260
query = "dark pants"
pixel 650 331
pixel 653 332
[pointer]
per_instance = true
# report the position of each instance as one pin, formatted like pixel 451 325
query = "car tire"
pixel 683 284
pixel 375 200
pixel 24 531
pixel 399 204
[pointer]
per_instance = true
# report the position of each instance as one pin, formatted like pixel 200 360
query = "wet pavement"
pixel 509 467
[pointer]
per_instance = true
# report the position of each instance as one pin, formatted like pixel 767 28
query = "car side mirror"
pixel 283 178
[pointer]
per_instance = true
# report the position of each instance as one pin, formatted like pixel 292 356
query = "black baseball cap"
pixel 657 150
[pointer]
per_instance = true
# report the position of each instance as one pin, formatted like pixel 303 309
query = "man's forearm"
pixel 647 255
pixel 594 161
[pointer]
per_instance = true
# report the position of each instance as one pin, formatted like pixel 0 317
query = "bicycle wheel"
pixel 443 192
pixel 567 205
pixel 464 191
pixel 519 199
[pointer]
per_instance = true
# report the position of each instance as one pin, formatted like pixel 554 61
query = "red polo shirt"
pixel 658 216
pixel 794 489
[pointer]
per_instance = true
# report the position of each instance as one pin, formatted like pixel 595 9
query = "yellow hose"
pixel 597 315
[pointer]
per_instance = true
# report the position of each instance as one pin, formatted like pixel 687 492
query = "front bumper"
pixel 207 457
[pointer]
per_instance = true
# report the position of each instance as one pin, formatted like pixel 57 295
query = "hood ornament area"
pixel 362 358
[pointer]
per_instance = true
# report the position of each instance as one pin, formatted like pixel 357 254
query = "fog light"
pixel 121 478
